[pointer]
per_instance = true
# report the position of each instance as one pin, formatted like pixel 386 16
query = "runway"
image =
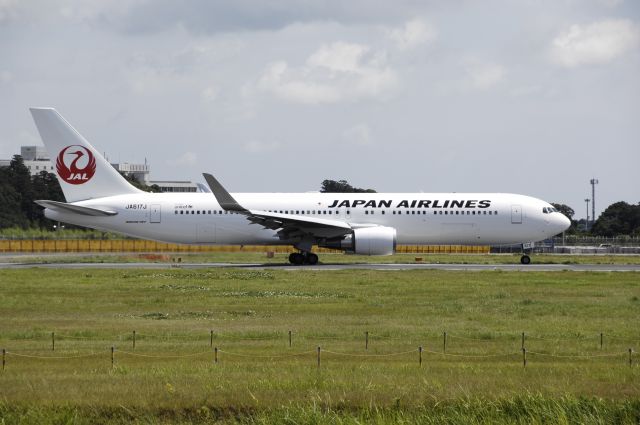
pixel 327 267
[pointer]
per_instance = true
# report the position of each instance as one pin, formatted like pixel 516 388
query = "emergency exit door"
pixel 516 214
pixel 154 213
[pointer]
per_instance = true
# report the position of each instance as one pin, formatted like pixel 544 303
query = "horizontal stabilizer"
pixel 74 209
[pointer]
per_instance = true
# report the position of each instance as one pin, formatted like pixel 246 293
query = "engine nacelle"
pixel 367 241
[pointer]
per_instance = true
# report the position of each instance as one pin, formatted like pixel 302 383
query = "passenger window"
pixel 176 211
pixel 366 212
pixel 382 212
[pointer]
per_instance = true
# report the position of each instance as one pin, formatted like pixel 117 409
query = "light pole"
pixel 593 182
pixel 586 223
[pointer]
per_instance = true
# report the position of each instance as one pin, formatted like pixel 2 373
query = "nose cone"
pixel 560 222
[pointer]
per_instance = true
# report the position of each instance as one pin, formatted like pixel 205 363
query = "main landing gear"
pixel 525 259
pixel 300 258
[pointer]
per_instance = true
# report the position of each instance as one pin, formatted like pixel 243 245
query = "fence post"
pixel 215 355
pixel 601 340
pixel 4 356
pixel 318 356
pixel 524 357
pixel 211 338
pixel 630 351
pixel 366 340
pixel 134 340
pixel 522 346
pixel 420 354
pixel 289 339
pixel 112 350
pixel 444 342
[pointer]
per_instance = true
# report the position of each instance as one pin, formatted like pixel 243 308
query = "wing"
pixel 288 226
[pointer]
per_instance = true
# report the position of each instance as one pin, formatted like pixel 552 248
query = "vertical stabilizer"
pixel 82 172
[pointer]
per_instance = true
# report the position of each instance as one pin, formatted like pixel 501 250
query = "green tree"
pixel 10 202
pixel 618 219
pixel 342 186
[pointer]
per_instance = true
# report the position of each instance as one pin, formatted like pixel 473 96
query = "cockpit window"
pixel 545 210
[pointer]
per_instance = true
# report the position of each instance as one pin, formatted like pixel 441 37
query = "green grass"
pixel 251 312
pixel 261 258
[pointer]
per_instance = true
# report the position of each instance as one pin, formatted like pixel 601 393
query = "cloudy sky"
pixel 532 97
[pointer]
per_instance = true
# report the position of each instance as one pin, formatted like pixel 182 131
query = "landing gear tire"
pixel 300 258
pixel 525 259
pixel 296 259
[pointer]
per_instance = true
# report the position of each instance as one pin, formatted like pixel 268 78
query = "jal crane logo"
pixel 79 169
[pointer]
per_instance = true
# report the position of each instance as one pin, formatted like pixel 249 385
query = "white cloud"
pixel 596 43
pixel 6 77
pixel 210 94
pixel 9 10
pixel 187 158
pixel 525 90
pixel 336 72
pixel 412 34
pixel 257 146
pixel 483 75
pixel 359 134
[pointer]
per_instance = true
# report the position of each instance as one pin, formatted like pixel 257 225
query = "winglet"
pixel 226 201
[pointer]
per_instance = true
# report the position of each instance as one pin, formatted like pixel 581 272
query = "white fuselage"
pixel 419 218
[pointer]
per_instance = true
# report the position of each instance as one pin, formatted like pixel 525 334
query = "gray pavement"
pixel 362 266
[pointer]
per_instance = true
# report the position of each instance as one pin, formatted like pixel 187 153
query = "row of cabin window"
pixel 202 212
pixel 446 212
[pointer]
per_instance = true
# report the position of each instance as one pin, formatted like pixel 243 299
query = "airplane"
pixel 98 197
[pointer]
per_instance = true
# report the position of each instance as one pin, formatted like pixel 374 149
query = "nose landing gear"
pixel 300 258
pixel 526 250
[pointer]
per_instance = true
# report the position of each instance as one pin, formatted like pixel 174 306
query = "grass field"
pixel 261 258
pixel 260 379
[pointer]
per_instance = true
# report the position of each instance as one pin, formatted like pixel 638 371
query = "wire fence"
pixel 387 347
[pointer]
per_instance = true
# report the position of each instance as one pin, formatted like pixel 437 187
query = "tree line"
pixel 19 189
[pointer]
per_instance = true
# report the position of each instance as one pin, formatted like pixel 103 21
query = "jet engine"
pixel 378 240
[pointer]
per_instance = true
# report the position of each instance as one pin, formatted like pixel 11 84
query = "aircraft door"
pixel 516 214
pixel 154 213
pixel 343 214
